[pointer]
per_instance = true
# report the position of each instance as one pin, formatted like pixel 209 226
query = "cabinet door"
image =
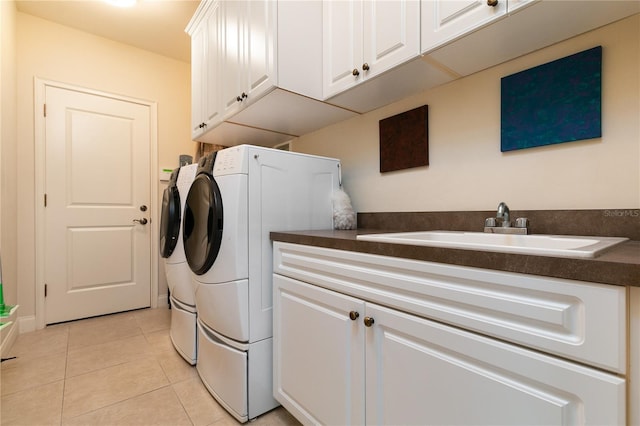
pixel 198 78
pixel 212 102
pixel 342 45
pixel 422 372
pixel 391 34
pixel 318 372
pixel 514 5
pixel 260 47
pixel 232 59
pixel 446 20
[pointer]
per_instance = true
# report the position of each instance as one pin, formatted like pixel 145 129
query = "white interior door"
pixel 97 185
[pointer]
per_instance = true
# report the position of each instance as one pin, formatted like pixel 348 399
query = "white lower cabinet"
pixel 342 359
pixel 422 372
pixel 319 361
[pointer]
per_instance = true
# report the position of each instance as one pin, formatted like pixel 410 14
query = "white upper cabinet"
pixel 232 50
pixel 362 39
pixel 206 111
pixel 457 38
pixel 470 42
pixel 197 79
pixel 257 72
pixel 265 71
pixel 445 20
pixel 249 52
pixel 343 45
pixel 513 5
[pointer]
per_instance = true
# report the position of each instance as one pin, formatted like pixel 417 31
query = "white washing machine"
pixel 238 197
pixel 183 313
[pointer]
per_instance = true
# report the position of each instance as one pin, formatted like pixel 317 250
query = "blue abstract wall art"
pixel 556 102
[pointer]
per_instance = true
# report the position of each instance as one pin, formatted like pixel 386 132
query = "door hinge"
pixel 45 290
pixel 44 109
pixel 45 200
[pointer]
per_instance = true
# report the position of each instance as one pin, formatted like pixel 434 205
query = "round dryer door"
pixel 169 221
pixel 202 228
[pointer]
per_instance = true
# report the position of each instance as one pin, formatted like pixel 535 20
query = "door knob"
pixel 368 321
pixel 142 221
pixel 353 315
pixel 365 66
pixel 355 72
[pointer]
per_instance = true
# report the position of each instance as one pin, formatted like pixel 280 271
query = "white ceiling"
pixel 154 25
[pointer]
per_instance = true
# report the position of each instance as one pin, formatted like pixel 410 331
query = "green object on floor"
pixel 4 309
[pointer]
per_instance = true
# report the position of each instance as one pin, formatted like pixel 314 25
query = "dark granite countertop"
pixel 619 265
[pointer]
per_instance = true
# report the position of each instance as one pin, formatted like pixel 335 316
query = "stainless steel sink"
pixel 543 245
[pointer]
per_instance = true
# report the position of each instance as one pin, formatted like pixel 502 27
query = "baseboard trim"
pixel 26 324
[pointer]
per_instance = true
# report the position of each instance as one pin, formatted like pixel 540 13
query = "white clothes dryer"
pixel 183 314
pixel 238 197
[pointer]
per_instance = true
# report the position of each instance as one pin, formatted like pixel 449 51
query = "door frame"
pixel 40 86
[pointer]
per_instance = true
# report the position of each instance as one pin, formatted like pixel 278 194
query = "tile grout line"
pixel 170 383
pixel 95 410
pixel 156 356
pixel 182 404
pixel 64 377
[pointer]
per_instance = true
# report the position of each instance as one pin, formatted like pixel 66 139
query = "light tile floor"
pixel 118 369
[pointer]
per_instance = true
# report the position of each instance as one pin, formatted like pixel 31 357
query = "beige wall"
pixel 8 147
pixel 467 171
pixel 53 52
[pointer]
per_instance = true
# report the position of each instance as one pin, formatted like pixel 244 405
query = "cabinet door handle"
pixel 365 66
pixel 492 3
pixel 368 321
pixel 355 72
pixel 353 315
pixel 242 97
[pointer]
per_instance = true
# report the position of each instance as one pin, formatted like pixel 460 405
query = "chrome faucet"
pixel 504 215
